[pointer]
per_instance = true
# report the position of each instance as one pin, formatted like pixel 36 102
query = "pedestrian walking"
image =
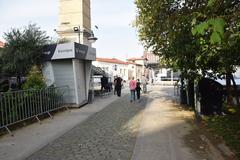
pixel 115 83
pixel 132 87
pixel 118 86
pixel 144 83
pixel 138 89
pixel 104 84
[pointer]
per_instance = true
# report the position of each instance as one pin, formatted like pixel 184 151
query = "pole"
pixel 79 34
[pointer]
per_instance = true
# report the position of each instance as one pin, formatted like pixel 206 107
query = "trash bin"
pixel 211 96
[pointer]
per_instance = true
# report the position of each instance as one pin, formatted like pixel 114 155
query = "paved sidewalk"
pixel 161 131
pixel 107 135
pixel 109 129
pixel 30 139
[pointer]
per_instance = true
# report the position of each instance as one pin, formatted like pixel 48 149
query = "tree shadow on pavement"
pixel 165 131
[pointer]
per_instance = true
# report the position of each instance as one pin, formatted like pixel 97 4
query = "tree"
pixel 217 26
pixel 23 49
pixel 1 63
pixel 165 27
pixel 198 37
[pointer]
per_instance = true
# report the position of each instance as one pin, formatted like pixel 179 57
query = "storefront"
pixel 70 64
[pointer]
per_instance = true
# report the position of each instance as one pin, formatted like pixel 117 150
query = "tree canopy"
pixel 22 49
pixel 198 37
pixel 217 27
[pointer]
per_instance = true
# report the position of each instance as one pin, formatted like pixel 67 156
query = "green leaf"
pixel 215 38
pixel 218 25
pixel 194 31
pixel 200 28
pixel 194 21
pixel 211 3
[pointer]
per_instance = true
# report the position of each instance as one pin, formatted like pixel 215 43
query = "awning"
pixel 98 71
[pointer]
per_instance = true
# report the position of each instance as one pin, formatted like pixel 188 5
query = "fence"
pixel 19 106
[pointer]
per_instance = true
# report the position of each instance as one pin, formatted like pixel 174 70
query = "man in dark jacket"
pixel 118 85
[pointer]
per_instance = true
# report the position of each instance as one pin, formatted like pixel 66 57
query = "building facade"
pixel 137 67
pixel 151 58
pixel 133 67
pixel 157 71
pixel 134 70
pixel 113 66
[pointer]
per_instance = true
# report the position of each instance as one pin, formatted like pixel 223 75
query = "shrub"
pixel 35 79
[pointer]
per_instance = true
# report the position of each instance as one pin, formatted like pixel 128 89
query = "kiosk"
pixel 69 64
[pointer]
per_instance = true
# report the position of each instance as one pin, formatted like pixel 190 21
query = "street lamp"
pixel 77 29
pixel 90 38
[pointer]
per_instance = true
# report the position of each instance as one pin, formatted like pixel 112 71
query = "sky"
pixel 116 36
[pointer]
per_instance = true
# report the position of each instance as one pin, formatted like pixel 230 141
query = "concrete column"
pixel 74 13
pixel 75 76
pixel 88 66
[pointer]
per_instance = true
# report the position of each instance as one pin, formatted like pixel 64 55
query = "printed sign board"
pixel 68 51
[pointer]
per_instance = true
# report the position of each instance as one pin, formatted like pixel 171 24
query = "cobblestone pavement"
pixel 107 135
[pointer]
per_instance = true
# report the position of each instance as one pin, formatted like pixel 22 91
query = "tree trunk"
pixel 191 93
pixel 235 89
pixel 228 88
pixel 183 98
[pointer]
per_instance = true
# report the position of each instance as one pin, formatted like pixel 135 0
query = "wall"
pixel 80 81
pixel 89 81
pixel 109 68
pixel 139 72
pixel 48 73
pixel 74 13
pixel 63 75
pixel 131 71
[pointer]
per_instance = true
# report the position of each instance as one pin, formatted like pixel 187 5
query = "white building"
pixel 113 66
pixel 157 71
pixel 136 67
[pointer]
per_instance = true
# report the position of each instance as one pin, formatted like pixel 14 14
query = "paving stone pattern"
pixel 107 135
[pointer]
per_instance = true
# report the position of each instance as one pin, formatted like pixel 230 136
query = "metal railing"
pixel 18 106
